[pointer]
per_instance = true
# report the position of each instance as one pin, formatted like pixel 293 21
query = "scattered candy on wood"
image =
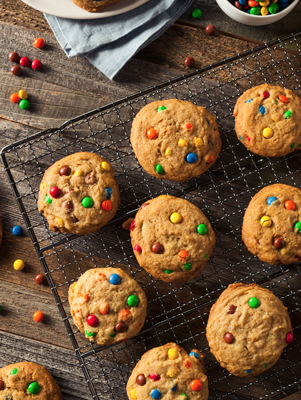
pixel 38 316
pixel 39 43
pixel 15 98
pixel 14 57
pixel 16 70
pixel 19 265
pixel 17 230
pixel 210 29
pixel 196 13
pixel 189 61
pixel 24 104
pixel 40 279
pixel 24 62
pixel 36 65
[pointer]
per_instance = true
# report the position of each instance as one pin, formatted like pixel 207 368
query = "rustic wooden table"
pixel 68 88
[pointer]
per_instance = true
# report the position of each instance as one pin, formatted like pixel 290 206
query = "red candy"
pixel 15 98
pixel 1 384
pixel 289 338
pixel 132 225
pixel 39 43
pixel 92 320
pixel 189 125
pixel 237 5
pixel 36 65
pixel 38 316
pixel 266 95
pixel 290 205
pixel 155 377
pixel 211 158
pixel 40 279
pixel 196 385
pixel 137 248
pixel 106 205
pixel 248 138
pixel 189 61
pixel 144 205
pixel 24 61
pixel 55 192
pixel 210 29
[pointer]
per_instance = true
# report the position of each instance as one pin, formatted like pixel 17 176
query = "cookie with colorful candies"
pixel 95 5
pixel 168 372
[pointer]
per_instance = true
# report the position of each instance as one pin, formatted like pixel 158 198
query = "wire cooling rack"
pixel 176 312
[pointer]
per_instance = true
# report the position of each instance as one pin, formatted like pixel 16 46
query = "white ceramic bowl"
pixel 249 19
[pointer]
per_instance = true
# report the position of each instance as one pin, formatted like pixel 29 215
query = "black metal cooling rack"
pixel 176 312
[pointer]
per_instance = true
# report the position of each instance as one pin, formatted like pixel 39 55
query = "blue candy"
pixel 156 394
pixel 282 6
pixel 262 110
pixel 249 10
pixel 17 230
pixel 194 354
pixel 271 200
pixel 191 158
pixel 249 101
pixel 114 279
pixel 208 122
pixel 108 192
pixel 242 2
pixel 174 388
pixel 248 371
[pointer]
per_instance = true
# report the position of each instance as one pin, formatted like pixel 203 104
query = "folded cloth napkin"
pixel 108 43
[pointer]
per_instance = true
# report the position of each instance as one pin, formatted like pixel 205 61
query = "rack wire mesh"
pixel 176 312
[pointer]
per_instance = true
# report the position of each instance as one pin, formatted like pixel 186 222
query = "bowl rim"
pixel 264 16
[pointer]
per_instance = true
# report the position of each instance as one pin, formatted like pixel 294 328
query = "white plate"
pixel 67 9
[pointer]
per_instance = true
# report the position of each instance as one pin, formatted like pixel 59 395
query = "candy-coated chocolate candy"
pixel 253 3
pixel 191 158
pixel 24 104
pixel 248 371
pixel 264 3
pixel 114 279
pixel 87 202
pixel 185 397
pixel 173 354
pixel 65 170
pixel 283 98
pixel 268 133
pixel 289 338
pixel 14 371
pixel 17 230
pixel 279 243
pixel 196 13
pixel 255 10
pixel 133 225
pixel 202 229
pixel 137 248
pixel 106 166
pixel 19 265
pixel 55 192
pixel 154 377
pixel 172 372
pixel 156 394
pixel 15 70
pixel 92 320
pixel 132 300
pixel 77 173
pixel 243 2
pixel 39 43
pixel 266 95
pixel 237 5
pixel 254 302
pixel 22 94
pixel 264 11
pixel 152 133
pixel 33 388
pixel 40 279
pixel 15 98
pixel 183 255
pixel 141 380
pixel 182 143
pixel 297 226
pixel 229 338
pixel 168 151
pixel 14 57
pixel 106 205
pixel 36 65
pixel 75 219
pixel 287 114
pixel 168 271
pixel 157 248
pixel 273 8
pixel 133 394
pixel 210 29
pixel 194 354
pixel 189 61
pixel 246 7
pixel 120 327
pixel 175 218
pixel 266 221
pixel 196 385
pixel 232 309
pixel 262 110
pixel 187 266
pixel 159 169
pixel 108 192
pixel 48 199
pixel 1 384
pixel 173 389
pixel 104 308
pixel 189 125
pixel 144 205
pixel 90 334
pixel 198 142
pixel 271 200
pixel 161 108
pixel 24 61
pixel 38 316
pixel 290 205
pixel 69 205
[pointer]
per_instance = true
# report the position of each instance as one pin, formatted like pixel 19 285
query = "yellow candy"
pixel 268 133
pixel 266 221
pixel 59 221
pixel 274 1
pixel 78 172
pixel 105 166
pixel 19 265
pixel 172 372
pixel 264 3
pixel 173 354
pixel 23 95
pixel 168 151
pixel 175 218
pixel 198 142
pixel 264 11
pixel 133 394
pixel 74 287
pixel 43 184
pixel 182 143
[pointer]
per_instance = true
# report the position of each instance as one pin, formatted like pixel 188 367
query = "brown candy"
pixel 141 380
pixel 69 205
pixel 279 243
pixel 232 309
pixel 65 170
pixel 157 248
pixel 14 57
pixel 90 179
pixel 189 61
pixel 210 29
pixel 120 327
pixel 40 279
pixel 16 70
pixel 75 219
pixel 229 338
pixel 2 384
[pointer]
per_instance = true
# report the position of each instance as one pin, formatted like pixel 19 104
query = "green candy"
pixel 273 8
pixel 161 108
pixel 255 10
pixel 298 226
pixel 292 145
pixel 185 396
pixel 48 199
pixel 188 266
pixel 196 13
pixel 206 255
pixel 159 169
pixel 133 301
pixel 113 334
pixel 24 104
pixel 34 388
pixel 14 371
pixel 288 113
pixel 265 365
pixel 168 271
pixel 254 302
pixel 87 202
pixel 90 334
pixel 202 229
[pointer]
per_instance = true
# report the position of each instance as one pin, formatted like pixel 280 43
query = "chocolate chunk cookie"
pixel 268 120
pixel 168 372
pixel 172 239
pixel 175 139
pixel 26 380
pixel 107 305
pixel 248 328
pixel 79 194
pixel 95 5
pixel 272 224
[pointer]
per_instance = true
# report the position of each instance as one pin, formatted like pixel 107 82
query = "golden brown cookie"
pixel 172 239
pixel 248 328
pixel 272 224
pixel 79 194
pixel 95 5
pixel 175 139
pixel 268 120
pixel 168 372
pixel 107 305
pixel 26 380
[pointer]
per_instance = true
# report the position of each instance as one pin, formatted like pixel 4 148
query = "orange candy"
pixel 123 314
pixel 196 385
pixel 38 316
pixel 106 205
pixel 283 99
pixel 152 133
pixel 189 125
pixel 104 308
pixel 211 158
pixel 183 255
pixel 290 205
pixel 15 98
pixel 253 3
pixel 85 295
pixel 39 43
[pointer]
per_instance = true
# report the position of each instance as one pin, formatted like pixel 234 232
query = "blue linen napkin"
pixel 108 43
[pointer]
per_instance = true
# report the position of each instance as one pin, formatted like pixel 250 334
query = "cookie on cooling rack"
pixel 268 120
pixel 168 372
pixel 107 305
pixel 248 328
pixel 272 224
pixel 175 139
pixel 79 194
pixel 26 380
pixel 95 5
pixel 172 239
